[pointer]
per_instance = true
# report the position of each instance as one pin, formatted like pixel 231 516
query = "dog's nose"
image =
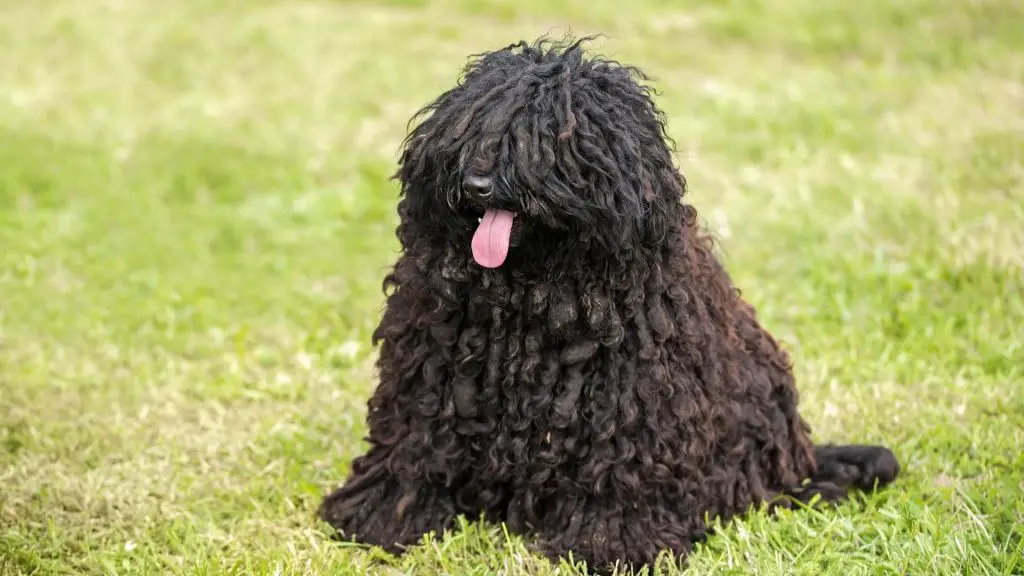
pixel 477 187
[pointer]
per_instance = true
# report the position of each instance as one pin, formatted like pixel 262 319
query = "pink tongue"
pixel 490 243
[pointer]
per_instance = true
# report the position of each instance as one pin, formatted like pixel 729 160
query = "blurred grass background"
pixel 195 218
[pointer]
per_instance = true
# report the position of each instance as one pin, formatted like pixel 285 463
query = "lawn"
pixel 195 216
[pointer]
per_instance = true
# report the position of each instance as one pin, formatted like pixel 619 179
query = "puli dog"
pixel 560 349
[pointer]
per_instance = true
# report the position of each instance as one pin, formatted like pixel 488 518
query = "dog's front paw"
pixel 608 537
pixel 374 508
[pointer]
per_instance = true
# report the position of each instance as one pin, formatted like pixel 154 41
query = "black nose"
pixel 477 187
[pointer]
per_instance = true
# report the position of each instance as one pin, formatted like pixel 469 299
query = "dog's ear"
pixel 632 210
pixel 656 191
pixel 654 219
pixel 632 218
pixel 653 199
pixel 648 192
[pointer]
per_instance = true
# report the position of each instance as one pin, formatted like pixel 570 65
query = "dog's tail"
pixel 844 468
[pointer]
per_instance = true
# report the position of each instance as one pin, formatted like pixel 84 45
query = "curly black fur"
pixel 606 387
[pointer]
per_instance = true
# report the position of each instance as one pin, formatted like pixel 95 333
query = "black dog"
pixel 561 350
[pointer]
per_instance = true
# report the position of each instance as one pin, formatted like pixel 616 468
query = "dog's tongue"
pixel 491 240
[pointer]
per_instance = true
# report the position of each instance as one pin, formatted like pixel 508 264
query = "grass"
pixel 195 217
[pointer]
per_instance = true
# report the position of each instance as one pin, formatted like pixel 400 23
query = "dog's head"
pixel 542 149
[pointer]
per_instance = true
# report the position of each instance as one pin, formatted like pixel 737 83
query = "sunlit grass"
pixel 195 215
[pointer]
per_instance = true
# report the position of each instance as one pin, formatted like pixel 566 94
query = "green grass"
pixel 195 217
